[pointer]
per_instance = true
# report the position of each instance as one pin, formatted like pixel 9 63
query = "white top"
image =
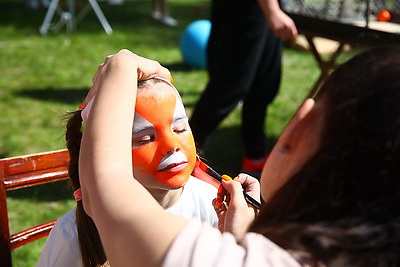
pixel 62 246
pixel 199 245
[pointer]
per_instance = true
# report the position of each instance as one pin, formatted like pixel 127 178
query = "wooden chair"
pixel 27 171
pixel 32 170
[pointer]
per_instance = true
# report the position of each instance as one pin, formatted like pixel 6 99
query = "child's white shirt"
pixel 62 246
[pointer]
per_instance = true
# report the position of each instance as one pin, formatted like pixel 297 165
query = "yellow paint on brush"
pixel 226 177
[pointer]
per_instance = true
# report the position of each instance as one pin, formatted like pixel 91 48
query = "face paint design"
pixel 162 142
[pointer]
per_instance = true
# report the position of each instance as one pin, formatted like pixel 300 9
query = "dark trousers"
pixel 244 64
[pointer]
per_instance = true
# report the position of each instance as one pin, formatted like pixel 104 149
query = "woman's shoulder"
pixel 216 249
pixel 261 249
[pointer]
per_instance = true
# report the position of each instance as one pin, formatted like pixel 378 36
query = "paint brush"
pixel 210 171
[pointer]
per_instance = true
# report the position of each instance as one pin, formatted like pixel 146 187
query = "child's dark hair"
pixel 92 251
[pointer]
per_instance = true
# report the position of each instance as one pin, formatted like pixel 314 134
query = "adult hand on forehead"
pixel 122 66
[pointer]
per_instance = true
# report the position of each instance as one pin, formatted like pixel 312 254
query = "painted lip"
pixel 175 167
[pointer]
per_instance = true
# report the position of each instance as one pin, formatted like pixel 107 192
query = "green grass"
pixel 43 77
pixel 31 207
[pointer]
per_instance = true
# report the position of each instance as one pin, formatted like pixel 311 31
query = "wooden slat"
pixel 29 235
pixel 343 32
pixel 36 169
pixel 29 163
pixel 36 178
pixel 27 171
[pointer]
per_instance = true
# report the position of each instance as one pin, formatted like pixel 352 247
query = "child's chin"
pixel 176 181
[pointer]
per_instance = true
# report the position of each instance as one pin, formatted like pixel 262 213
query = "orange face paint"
pixel 162 142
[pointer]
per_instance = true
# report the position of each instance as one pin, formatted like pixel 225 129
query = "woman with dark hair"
pixel 342 207
pixel 330 186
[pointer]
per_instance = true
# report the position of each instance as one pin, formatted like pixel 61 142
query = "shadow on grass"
pixel 47 192
pixel 62 95
pixel 73 96
pixel 177 66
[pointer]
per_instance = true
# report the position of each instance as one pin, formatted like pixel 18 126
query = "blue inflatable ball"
pixel 193 43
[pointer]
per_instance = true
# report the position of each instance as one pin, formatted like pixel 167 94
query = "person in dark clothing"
pixel 244 64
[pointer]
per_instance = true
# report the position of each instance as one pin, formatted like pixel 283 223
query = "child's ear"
pixel 299 124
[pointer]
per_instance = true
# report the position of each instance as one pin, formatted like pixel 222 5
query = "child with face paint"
pixel 163 158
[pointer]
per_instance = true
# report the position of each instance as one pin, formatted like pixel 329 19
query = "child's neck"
pixel 166 198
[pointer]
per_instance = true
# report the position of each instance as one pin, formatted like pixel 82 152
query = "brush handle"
pixel 210 171
pixel 252 201
pixel 214 174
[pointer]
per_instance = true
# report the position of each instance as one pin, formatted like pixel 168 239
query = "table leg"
pixel 49 16
pixel 325 66
pixel 106 26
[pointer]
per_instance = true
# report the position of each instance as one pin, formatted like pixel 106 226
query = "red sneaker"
pixel 253 166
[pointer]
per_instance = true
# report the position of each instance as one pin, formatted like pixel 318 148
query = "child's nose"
pixel 170 144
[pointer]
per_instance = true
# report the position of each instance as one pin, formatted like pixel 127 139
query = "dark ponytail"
pixel 92 251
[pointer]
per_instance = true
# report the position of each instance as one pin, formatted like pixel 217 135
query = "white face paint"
pixel 169 161
pixel 144 131
pixel 180 118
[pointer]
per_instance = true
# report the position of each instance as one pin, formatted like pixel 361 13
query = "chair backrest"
pixel 27 171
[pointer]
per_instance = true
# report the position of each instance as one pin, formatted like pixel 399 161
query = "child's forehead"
pixel 156 102
pixel 157 90
pixel 163 98
pixel 160 108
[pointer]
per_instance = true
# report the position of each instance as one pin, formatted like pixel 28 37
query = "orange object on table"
pixel 383 15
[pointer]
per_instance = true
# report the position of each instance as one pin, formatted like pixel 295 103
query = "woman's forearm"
pixel 129 220
pixel 105 148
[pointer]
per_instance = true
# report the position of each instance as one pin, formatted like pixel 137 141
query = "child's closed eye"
pixel 181 129
pixel 142 140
